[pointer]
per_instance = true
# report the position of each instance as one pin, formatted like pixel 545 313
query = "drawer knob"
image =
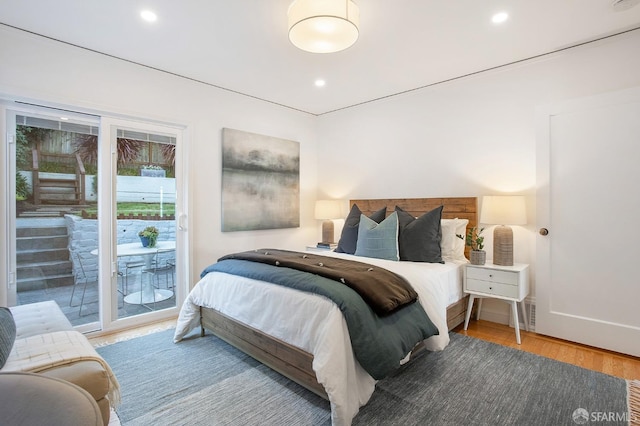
pixel 490 276
pixel 490 288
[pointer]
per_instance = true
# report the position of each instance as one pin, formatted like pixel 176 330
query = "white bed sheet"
pixel 454 286
pixel 315 324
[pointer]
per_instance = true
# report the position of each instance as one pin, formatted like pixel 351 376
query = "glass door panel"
pixel 54 186
pixel 145 193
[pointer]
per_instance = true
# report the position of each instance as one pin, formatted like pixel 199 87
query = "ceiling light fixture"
pixel 320 82
pixel 325 26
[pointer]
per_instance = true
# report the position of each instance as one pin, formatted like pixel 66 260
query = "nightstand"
pixel 508 283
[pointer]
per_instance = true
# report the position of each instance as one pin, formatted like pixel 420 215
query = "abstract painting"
pixel 260 182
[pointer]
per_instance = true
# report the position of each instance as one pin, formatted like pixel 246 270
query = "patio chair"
pixel 165 269
pixel 79 278
pixel 171 263
pixel 128 268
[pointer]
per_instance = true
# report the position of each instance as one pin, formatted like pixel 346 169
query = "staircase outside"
pixel 58 188
pixel 61 190
pixel 42 254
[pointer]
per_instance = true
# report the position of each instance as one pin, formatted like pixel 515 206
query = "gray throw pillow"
pixel 349 236
pixel 379 240
pixel 7 334
pixel 419 239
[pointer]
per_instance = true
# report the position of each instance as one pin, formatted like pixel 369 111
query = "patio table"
pixel 148 293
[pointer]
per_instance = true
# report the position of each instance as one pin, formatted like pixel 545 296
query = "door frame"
pixel 8 214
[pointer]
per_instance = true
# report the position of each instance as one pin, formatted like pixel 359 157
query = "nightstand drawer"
pixel 493 275
pixel 498 289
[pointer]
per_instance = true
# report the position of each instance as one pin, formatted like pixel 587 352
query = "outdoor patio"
pixel 62 296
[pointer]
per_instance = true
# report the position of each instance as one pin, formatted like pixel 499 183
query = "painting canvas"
pixel 260 182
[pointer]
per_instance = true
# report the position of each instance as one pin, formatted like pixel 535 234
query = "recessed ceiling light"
pixel 64 118
pixel 499 17
pixel 148 16
pixel 620 5
pixel 320 82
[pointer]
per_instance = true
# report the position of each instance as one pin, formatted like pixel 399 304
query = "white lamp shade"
pixel 323 26
pixel 503 210
pixel 328 209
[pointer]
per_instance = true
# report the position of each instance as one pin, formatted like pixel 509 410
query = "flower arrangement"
pixel 149 235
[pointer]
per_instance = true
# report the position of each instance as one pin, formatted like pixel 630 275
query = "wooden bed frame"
pixel 295 363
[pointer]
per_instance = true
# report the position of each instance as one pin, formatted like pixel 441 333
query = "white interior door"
pixel 588 200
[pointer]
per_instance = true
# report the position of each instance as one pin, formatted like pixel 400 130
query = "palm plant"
pixel 169 153
pixel 87 147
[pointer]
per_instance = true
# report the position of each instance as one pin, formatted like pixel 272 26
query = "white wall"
pixel 471 137
pixel 51 73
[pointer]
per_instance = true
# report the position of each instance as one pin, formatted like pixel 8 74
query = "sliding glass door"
pixel 145 227
pixel 50 185
pixel 81 191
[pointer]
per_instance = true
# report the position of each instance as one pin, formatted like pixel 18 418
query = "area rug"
pixel 204 381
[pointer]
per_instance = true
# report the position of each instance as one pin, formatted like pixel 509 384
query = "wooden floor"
pixel 119 336
pixel 612 363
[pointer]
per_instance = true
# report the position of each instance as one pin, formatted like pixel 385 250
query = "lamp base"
pixel 327 232
pixel 503 246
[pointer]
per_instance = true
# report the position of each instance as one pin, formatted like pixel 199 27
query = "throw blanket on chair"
pixel 383 290
pixel 45 351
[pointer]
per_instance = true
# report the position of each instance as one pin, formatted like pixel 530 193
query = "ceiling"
pixel 242 45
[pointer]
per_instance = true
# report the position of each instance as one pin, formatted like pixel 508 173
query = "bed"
pixel 314 350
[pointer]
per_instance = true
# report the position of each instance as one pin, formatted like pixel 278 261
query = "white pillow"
pixel 451 246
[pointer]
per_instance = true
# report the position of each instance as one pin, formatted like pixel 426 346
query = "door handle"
pixel 181 222
pixel 543 231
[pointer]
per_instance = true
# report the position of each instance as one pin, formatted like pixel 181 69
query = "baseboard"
pixel 530 306
pixel 493 316
pixel 495 310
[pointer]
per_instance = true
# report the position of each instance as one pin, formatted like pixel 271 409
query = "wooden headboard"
pixel 454 207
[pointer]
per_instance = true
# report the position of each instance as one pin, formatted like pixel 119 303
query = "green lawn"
pixel 139 208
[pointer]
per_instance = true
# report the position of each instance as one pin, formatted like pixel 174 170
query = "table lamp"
pixel 327 210
pixel 503 210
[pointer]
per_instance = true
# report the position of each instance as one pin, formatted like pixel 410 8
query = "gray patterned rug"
pixel 204 381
